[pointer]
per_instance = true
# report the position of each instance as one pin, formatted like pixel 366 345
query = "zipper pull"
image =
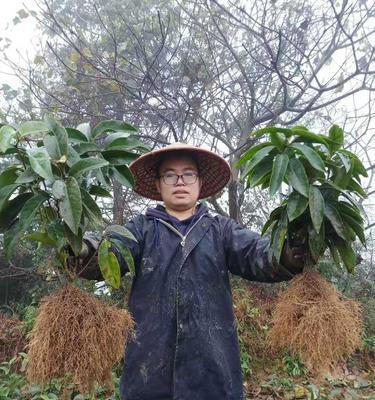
pixel 183 241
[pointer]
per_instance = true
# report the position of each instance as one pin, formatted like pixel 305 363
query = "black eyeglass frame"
pixel 196 174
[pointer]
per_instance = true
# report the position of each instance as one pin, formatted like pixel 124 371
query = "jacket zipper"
pixel 172 228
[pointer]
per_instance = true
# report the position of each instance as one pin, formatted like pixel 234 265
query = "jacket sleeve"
pixel 91 270
pixel 248 255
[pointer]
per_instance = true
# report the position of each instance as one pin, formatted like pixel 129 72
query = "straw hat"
pixel 214 171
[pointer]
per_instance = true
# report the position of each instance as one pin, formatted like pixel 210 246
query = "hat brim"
pixel 214 171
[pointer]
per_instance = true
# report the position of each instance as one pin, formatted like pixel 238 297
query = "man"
pixel 186 344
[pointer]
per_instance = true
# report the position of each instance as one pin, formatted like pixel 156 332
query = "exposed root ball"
pixel 78 337
pixel 316 322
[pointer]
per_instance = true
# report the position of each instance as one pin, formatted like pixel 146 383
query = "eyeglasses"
pixel 188 178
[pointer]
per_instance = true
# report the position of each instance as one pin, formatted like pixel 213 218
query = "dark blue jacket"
pixel 186 345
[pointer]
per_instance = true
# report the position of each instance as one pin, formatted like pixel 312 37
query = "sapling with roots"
pixel 48 194
pixel 322 210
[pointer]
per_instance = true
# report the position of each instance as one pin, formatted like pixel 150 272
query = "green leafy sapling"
pixel 323 197
pixel 53 177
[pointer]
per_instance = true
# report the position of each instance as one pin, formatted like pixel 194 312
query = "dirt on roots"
pixel 77 337
pixel 316 322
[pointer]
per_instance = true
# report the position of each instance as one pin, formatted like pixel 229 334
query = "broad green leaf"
pixel 257 174
pixel 41 237
pixel 32 128
pixel 52 147
pixel 83 148
pixel 306 134
pixel 126 254
pixel 123 175
pixel 336 134
pixel 85 129
pixel 40 162
pixel 355 226
pixel 347 254
pixel 127 144
pixel 120 230
pixel 92 210
pixel 348 209
pixel 26 218
pixel 336 221
pixel 76 134
pixel 297 176
pixel 358 167
pixel 280 165
pixel 297 204
pixel 74 241
pixel 249 154
pixel 278 139
pixel 271 129
pixel 7 134
pixel 346 160
pixel 73 156
pixel 71 205
pixel 316 204
pixel 317 243
pixel 99 191
pixel 335 254
pixel 311 155
pixel 119 157
pixel 111 126
pixel 86 164
pixel 5 193
pixel 11 209
pixel 355 187
pixel 274 216
pixel 258 157
pixel 59 189
pixel 115 136
pixel 109 265
pixel 278 241
pixel 9 176
pixel 60 133
pixel 341 178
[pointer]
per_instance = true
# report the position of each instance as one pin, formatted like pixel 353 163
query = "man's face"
pixel 179 196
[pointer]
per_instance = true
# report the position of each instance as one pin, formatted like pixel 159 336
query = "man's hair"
pixel 177 153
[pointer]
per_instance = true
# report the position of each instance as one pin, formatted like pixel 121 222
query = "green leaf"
pixel 7 134
pixel 256 176
pixel 109 265
pixel 77 135
pixel 117 135
pixel 258 157
pixel 280 165
pixel 5 193
pixel 346 160
pixel 9 176
pixel 335 254
pixel 306 134
pixel 278 139
pixel 120 230
pixel 92 210
pixel 119 157
pixel 123 175
pixel 11 209
pixel 355 226
pixel 347 254
pixel 274 216
pixel 297 176
pixel 336 221
pixel 336 134
pixel 111 126
pixel 311 155
pixel 26 218
pixel 126 254
pixel 40 162
pixel 41 237
pixel 99 191
pixel 355 187
pixel 32 128
pixel 316 204
pixel 317 243
pixel 83 148
pixel 278 241
pixel 86 164
pixel 52 147
pixel 74 241
pixel 297 204
pixel 348 209
pixel 71 204
pixel 249 154
pixel 358 167
pixel 60 133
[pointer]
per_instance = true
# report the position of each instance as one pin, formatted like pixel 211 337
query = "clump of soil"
pixel 12 338
pixel 316 322
pixel 77 337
